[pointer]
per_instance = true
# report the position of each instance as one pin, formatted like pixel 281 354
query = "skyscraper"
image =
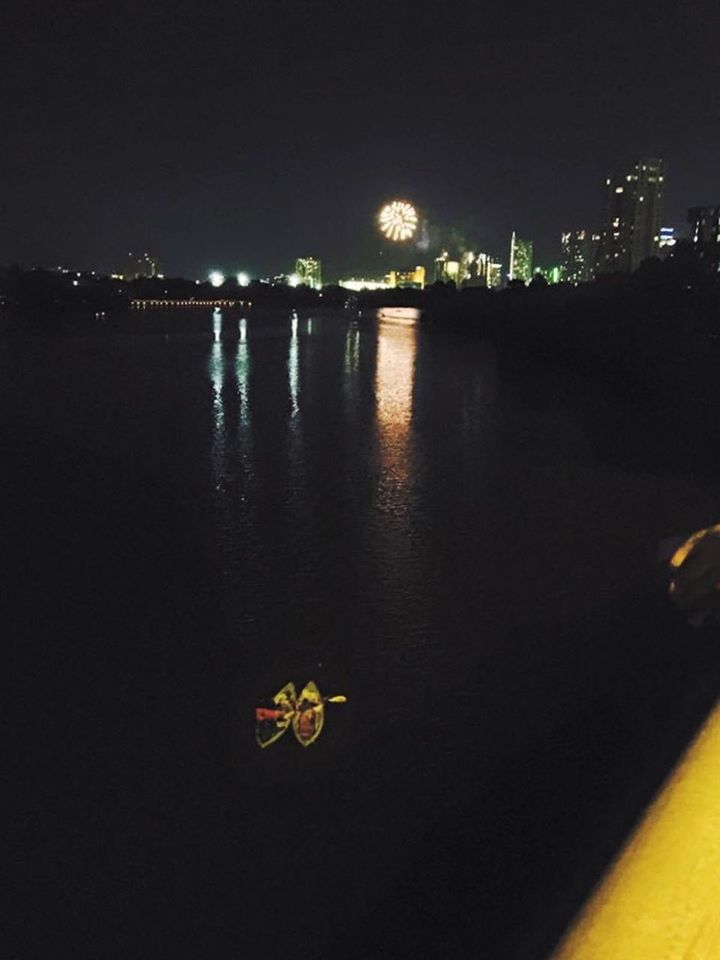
pixel 309 272
pixel 632 212
pixel 489 271
pixel 705 234
pixel 577 256
pixel 493 273
pixel 648 211
pixel 521 259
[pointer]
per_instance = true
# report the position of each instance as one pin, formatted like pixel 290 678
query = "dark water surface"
pixel 202 510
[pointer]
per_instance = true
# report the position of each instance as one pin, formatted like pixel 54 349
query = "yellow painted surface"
pixel 661 898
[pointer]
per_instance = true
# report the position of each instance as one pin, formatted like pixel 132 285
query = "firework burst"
pixel 398 220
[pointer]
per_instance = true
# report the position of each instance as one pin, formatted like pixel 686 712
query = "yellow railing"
pixel 661 898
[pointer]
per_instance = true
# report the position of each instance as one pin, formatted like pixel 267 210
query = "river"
pixel 198 511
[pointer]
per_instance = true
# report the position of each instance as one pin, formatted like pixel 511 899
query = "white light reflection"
pixel 294 367
pixel 351 365
pixel 217 377
pixel 352 349
pixel 242 369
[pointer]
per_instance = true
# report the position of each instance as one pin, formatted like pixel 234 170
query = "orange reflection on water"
pixel 394 382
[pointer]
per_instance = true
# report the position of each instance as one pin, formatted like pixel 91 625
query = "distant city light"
pixel 309 269
pixel 398 220
pixel 217 279
pixel 294 280
pixel 357 285
pixel 667 237
pixel 243 279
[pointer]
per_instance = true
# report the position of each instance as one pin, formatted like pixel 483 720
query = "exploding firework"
pixel 398 220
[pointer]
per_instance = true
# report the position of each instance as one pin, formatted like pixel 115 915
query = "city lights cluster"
pixel 217 278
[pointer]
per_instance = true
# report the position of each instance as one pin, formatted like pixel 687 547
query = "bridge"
pixel 169 304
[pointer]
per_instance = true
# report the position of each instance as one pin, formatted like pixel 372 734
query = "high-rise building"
pixel 493 274
pixel 468 266
pixel 632 213
pixel 648 210
pixel 440 266
pixel 705 234
pixel 488 272
pixel 595 239
pixel 577 256
pixel 309 272
pixel 139 265
pixel 521 259
pixel 447 269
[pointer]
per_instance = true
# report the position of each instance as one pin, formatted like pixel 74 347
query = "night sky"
pixel 241 135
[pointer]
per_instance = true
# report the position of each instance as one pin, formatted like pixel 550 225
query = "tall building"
pixel 705 234
pixel 521 259
pixel 441 267
pixel 493 274
pixel 309 272
pixel 447 269
pixel 488 271
pixel 577 256
pixel 632 214
pixel 139 265
pixel 468 266
pixel 648 210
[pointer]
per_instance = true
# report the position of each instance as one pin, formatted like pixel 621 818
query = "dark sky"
pixel 241 135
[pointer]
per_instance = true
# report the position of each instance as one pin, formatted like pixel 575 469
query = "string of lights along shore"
pixel 627 232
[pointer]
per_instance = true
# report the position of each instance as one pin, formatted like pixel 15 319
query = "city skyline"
pixel 212 137
pixel 630 230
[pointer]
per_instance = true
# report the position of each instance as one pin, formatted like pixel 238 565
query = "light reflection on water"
pixel 242 371
pixel 217 379
pixel 294 366
pixel 394 381
pixel 378 504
